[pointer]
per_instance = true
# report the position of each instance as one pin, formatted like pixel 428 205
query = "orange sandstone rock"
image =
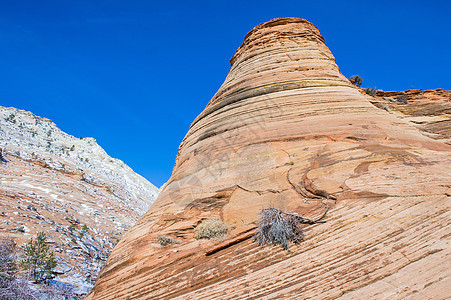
pixel 288 130
pixel 429 110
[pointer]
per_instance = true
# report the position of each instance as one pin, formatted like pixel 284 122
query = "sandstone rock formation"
pixel 288 130
pixel 428 110
pixel 56 183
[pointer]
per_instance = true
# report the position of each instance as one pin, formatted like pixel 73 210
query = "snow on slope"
pixel 31 137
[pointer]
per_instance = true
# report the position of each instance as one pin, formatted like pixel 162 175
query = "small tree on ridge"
pixel 356 80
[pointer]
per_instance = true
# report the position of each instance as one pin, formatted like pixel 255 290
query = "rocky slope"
pixel 56 183
pixel 288 130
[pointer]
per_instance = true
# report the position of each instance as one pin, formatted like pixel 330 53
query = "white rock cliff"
pixel 57 183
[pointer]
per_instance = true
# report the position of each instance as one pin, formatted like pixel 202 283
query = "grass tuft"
pixel 211 228
pixel 165 240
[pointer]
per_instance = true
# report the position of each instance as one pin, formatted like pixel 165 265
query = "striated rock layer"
pixel 429 111
pixel 287 130
pixel 56 183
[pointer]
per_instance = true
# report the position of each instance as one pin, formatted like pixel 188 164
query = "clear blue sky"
pixel 134 74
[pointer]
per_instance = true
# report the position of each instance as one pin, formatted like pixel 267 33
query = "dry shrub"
pixel 165 240
pixel 370 91
pixel 211 228
pixel 17 289
pixel 11 287
pixel 402 99
pixel 8 257
pixel 277 228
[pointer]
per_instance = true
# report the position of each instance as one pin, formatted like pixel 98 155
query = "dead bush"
pixel 8 257
pixel 278 227
pixel 211 228
pixel 11 286
pixel 17 289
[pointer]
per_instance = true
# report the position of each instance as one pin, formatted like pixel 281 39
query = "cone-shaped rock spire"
pixel 287 130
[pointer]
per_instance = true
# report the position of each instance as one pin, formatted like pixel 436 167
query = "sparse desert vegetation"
pixel 370 91
pixel 277 228
pixel 356 80
pixel 39 262
pixel 211 229
pixel 165 240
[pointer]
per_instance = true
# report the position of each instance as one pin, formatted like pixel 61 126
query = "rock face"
pixel 56 183
pixel 429 110
pixel 288 130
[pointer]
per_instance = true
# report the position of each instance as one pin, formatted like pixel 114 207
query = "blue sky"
pixel 134 74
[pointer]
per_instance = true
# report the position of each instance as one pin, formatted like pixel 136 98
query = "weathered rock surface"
pixel 287 130
pixel 56 183
pixel 429 111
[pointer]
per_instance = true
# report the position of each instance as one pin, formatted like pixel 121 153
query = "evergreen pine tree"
pixel 39 260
